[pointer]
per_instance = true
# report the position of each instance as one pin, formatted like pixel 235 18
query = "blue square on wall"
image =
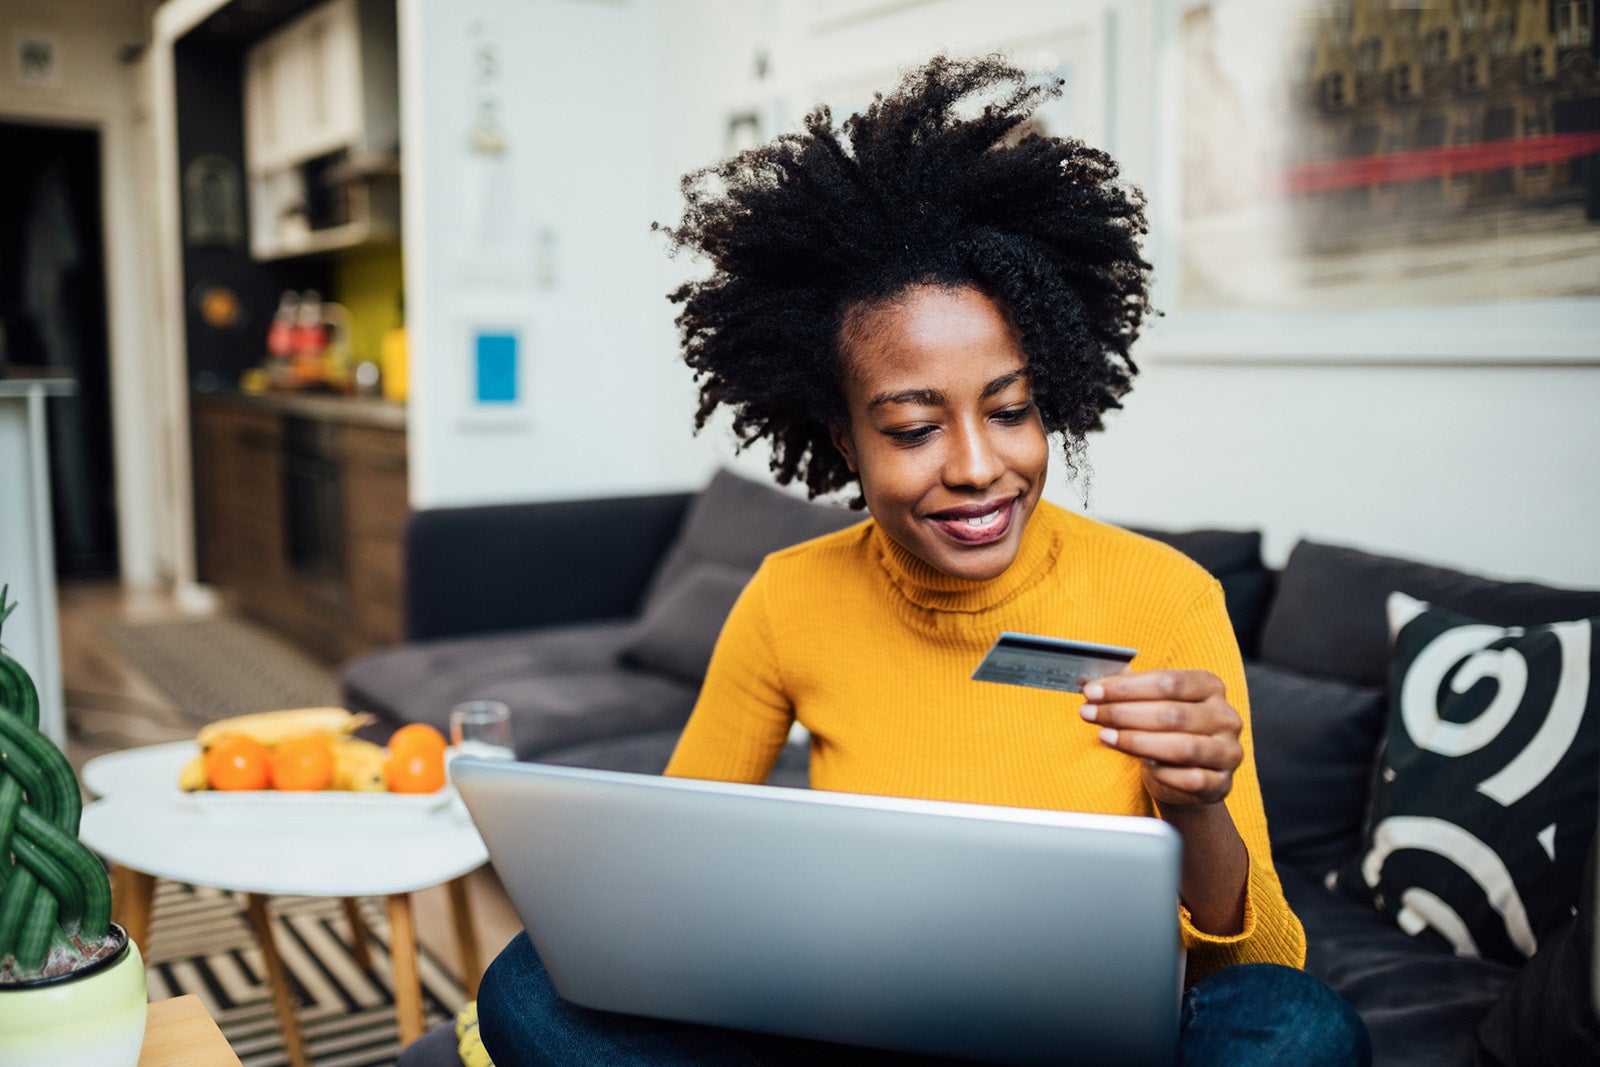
pixel 497 367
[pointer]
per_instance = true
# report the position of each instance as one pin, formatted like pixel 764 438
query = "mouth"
pixel 976 524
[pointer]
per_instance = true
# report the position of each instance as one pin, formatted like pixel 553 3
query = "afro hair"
pixel 939 182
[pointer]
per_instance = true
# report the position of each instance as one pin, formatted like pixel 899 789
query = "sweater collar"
pixel 927 587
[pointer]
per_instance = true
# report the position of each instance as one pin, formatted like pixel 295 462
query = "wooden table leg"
pixel 407 979
pixel 358 934
pixel 133 902
pixel 282 998
pixel 466 935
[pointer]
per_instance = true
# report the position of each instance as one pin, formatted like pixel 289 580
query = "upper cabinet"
pixel 322 130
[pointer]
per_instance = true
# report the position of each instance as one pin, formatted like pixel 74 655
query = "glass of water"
pixel 482 728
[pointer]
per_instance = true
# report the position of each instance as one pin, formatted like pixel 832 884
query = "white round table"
pixel 326 844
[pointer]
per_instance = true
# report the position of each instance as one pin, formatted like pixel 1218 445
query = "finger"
pixel 1205 785
pixel 1176 750
pixel 1213 717
pixel 1153 685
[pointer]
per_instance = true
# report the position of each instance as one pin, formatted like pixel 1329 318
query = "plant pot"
pixel 93 1017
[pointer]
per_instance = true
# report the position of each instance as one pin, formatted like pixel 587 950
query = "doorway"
pixel 53 313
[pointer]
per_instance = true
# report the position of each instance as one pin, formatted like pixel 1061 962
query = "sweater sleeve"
pixel 1203 639
pixel 743 715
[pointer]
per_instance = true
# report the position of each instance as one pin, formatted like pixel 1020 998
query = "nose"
pixel 973 461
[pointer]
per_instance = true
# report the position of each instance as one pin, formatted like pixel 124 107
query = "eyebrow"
pixel 934 398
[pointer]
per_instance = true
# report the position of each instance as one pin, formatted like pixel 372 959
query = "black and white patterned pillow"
pixel 1484 798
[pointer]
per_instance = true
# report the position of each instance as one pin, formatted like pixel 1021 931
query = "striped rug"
pixel 200 942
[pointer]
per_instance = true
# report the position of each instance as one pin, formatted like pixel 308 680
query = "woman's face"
pixel 943 433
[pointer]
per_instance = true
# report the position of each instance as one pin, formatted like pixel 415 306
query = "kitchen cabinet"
pixel 322 130
pixel 253 510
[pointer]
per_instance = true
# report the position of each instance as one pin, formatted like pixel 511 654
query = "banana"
pixel 270 727
pixel 358 765
pixel 193 778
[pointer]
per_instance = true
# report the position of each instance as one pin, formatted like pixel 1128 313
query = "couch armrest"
pixel 478 569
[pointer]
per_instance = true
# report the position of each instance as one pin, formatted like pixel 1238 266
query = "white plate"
pixel 325 804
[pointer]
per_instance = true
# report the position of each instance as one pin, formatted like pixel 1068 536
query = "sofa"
pixel 594 620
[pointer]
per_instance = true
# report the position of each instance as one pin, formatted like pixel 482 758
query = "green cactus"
pixel 53 891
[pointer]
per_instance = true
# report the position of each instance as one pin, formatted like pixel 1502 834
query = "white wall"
pixel 1491 468
pixel 549 239
pixel 97 89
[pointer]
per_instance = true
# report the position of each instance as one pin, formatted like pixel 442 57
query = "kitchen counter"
pixel 48 381
pixel 27 551
pixel 349 410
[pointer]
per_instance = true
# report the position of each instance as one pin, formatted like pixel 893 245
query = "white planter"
pixel 94 1018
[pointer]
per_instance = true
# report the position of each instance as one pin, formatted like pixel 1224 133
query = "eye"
pixel 1014 416
pixel 910 437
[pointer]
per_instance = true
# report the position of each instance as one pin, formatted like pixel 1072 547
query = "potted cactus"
pixel 71 982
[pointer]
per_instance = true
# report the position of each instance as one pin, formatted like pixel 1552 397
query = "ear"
pixel 841 441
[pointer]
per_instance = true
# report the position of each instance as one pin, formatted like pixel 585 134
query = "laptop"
pixel 1003 934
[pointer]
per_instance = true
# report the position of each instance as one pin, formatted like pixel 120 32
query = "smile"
pixel 977 529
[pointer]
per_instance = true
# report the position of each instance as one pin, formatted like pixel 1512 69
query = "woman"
pixel 911 306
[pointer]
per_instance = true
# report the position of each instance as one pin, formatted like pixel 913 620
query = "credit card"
pixel 1049 662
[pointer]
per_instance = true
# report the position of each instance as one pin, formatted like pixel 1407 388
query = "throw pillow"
pixel 736 522
pixel 1233 557
pixel 1315 740
pixel 1327 615
pixel 680 625
pixel 1484 797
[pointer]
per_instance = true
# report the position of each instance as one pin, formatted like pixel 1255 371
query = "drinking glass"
pixel 482 728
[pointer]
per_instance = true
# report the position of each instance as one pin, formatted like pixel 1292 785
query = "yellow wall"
pixel 369 281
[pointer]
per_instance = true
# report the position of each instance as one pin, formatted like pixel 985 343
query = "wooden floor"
pixel 110 706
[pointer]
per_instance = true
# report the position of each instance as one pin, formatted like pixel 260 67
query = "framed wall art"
pixel 1361 181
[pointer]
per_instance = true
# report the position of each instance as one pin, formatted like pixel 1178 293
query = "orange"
pixel 417 737
pixel 414 771
pixel 302 764
pixel 237 762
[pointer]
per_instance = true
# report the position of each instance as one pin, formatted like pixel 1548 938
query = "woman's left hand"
pixel 1178 724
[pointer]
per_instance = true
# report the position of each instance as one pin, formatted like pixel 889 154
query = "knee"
pixel 507 993
pixel 1280 1012
pixel 1329 1020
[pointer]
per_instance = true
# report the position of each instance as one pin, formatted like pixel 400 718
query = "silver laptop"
pixel 1003 934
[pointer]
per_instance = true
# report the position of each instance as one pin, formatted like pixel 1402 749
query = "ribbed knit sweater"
pixel 872 650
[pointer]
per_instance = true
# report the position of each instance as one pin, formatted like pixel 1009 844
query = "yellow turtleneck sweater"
pixel 872 651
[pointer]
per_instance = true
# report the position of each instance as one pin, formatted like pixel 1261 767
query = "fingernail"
pixel 1108 735
pixel 1088 711
pixel 1093 691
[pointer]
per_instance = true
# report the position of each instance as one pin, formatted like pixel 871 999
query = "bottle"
pixel 310 340
pixel 281 341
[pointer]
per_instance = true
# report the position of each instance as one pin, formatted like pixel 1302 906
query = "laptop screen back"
pixel 1013 935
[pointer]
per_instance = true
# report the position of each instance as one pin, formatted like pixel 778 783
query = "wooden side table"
pixel 179 1032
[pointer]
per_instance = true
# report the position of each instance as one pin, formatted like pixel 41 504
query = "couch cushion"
pixel 1233 557
pixel 1485 801
pixel 1315 741
pixel 681 623
pixel 1420 1004
pixel 648 753
pixel 563 685
pixel 1328 617
pixel 737 522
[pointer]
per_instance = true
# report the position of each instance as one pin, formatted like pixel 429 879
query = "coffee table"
pixel 149 829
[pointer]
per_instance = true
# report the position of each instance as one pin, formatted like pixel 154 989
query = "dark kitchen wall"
pixel 229 297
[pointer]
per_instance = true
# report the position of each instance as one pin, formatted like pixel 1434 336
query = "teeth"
pixel 984 520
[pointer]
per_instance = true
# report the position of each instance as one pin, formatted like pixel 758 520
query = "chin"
pixel 979 563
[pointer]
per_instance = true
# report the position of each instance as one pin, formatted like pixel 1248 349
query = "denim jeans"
pixel 1252 1014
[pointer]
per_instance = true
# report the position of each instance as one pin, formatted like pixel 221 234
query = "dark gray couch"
pixel 594 621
